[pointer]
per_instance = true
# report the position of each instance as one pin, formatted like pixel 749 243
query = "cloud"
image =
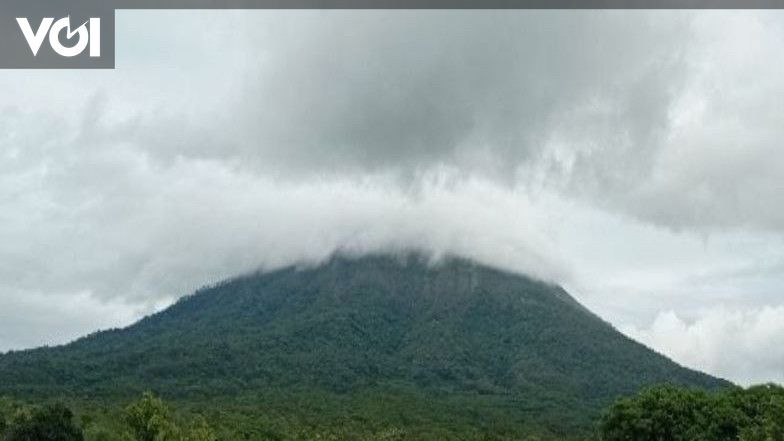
pixel 666 116
pixel 483 91
pixel 86 211
pixel 743 345
pixel 32 319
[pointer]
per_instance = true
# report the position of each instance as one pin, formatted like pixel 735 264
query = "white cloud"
pixel 740 344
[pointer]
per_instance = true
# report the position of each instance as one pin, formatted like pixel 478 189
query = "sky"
pixel 633 157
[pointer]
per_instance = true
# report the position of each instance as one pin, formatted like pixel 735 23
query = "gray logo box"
pixel 16 51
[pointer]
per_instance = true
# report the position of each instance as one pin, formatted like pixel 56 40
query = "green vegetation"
pixel 656 414
pixel 150 420
pixel 678 414
pixel 231 421
pixel 147 419
pixel 355 348
pixel 52 422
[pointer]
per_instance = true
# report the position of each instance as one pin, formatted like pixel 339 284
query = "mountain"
pixel 456 340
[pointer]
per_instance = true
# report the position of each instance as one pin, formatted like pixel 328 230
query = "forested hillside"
pixel 374 341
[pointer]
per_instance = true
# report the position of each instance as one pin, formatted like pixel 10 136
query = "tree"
pixel 673 413
pixel 200 431
pixel 764 408
pixel 150 420
pixel 50 423
pixel 659 413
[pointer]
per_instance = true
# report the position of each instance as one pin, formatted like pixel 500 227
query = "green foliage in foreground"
pixel 52 422
pixel 151 419
pixel 679 414
pixel 148 419
pixel 663 413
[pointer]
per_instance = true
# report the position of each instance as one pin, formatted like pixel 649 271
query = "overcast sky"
pixel 633 157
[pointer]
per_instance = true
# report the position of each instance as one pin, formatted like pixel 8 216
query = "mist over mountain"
pixel 454 335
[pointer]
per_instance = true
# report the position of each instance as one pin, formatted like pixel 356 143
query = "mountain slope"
pixel 353 326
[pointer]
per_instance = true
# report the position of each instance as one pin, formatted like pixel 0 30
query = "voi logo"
pixel 88 35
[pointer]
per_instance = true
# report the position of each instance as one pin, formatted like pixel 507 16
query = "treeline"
pixel 676 414
pixel 148 419
pixel 663 413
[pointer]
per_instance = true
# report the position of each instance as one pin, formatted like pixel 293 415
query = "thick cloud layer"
pixel 479 90
pixel 631 156
pixel 665 116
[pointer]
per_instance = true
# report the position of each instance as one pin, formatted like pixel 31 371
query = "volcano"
pixel 425 341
